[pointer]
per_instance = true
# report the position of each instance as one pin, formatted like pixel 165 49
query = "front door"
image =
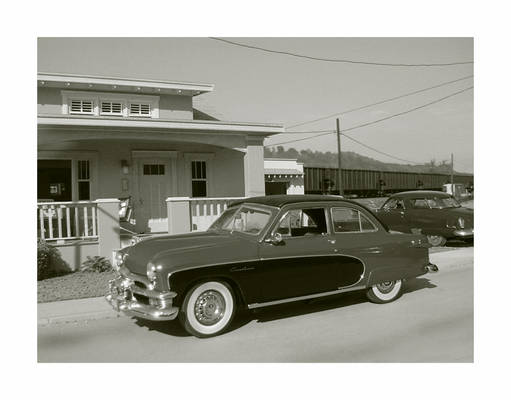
pixel 303 263
pixel 154 188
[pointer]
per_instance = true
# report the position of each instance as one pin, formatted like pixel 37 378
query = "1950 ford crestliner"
pixel 264 251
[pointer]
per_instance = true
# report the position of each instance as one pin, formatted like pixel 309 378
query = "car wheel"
pixel 208 309
pixel 436 240
pixel 385 292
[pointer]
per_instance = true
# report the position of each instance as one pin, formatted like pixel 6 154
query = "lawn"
pixel 76 285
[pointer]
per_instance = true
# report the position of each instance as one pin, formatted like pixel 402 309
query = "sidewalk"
pixel 74 310
pixel 98 308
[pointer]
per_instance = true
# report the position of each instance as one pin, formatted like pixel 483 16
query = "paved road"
pixel 432 322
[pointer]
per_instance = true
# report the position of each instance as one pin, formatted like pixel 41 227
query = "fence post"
pixel 178 215
pixel 108 227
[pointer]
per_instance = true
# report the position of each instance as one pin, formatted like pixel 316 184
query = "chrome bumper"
pixel 124 296
pixel 464 233
pixel 432 268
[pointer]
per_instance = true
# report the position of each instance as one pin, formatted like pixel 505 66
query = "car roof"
pixel 415 193
pixel 280 200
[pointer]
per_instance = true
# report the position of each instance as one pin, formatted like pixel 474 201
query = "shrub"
pixel 96 264
pixel 49 261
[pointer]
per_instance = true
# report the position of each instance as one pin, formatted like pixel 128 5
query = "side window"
pixel 419 203
pixel 350 220
pixel 394 204
pixel 304 222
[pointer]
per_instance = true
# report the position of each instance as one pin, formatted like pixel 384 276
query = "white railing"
pixel 204 211
pixel 67 220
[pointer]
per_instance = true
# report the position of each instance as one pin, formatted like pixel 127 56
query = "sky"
pixel 256 86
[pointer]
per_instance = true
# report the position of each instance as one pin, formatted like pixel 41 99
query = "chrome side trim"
pixel 310 296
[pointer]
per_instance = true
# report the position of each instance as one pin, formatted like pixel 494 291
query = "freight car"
pixel 369 183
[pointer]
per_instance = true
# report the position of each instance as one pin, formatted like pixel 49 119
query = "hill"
pixel 351 160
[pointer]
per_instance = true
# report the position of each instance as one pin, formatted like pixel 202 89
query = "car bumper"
pixel 126 297
pixel 464 233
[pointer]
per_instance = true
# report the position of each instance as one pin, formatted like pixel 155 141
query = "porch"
pixel 95 228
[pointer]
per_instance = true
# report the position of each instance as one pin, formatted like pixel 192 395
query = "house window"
pixel 82 107
pixel 199 180
pixel 111 108
pixel 140 110
pixel 154 169
pixel 83 180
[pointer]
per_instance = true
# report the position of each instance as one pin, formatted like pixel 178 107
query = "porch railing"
pixel 204 211
pixel 67 220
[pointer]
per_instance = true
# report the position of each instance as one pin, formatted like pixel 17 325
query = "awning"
pixel 282 173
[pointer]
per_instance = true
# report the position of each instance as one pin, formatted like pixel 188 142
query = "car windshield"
pixel 438 202
pixel 224 221
pixel 243 219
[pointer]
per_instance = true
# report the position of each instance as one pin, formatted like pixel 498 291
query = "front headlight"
pixel 461 222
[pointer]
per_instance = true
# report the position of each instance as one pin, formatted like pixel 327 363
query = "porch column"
pixel 108 227
pixel 254 167
pixel 178 215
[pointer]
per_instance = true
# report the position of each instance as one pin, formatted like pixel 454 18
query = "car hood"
pixel 175 250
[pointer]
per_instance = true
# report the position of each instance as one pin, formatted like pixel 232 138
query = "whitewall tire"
pixel 208 309
pixel 385 292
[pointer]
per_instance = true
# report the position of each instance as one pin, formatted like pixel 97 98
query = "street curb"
pixel 89 316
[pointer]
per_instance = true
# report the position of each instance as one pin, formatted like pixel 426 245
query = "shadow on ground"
pixel 277 312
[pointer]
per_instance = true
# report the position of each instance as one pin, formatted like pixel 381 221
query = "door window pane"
pixel 154 169
pixel 350 220
pixel 303 222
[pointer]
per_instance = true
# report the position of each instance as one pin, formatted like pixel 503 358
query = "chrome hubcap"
pixel 386 287
pixel 209 307
pixel 435 240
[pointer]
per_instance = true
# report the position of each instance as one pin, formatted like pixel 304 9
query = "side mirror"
pixel 275 239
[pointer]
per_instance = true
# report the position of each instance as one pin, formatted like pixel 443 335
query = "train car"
pixel 371 183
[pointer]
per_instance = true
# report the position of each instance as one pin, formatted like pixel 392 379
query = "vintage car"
pixel 438 215
pixel 264 251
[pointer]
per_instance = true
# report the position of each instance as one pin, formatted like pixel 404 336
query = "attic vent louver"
pixel 140 109
pixel 82 107
pixel 111 108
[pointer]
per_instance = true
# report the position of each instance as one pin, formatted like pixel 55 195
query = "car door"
pixel 304 262
pixel 420 215
pixel 393 214
pixel 359 241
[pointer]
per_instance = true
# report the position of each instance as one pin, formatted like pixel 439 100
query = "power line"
pixel 378 120
pixel 408 111
pixel 379 151
pixel 381 102
pixel 334 60
pixel 299 140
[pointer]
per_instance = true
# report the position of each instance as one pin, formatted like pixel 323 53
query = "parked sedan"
pixel 264 251
pixel 436 214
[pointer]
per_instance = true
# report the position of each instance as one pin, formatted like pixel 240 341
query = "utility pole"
pixel 452 168
pixel 339 165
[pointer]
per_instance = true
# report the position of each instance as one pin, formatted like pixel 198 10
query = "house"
pixel 283 176
pixel 103 139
